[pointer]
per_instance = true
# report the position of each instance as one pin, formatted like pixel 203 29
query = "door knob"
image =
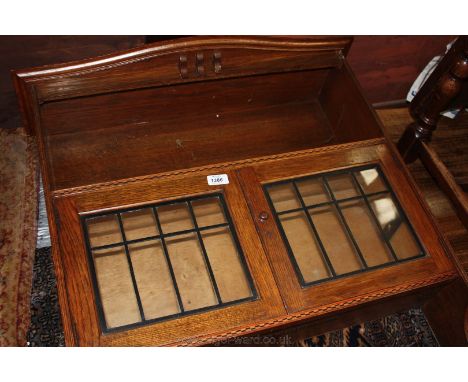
pixel 263 216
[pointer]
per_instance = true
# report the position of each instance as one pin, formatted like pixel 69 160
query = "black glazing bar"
pixel 130 266
pixel 311 206
pixel 344 222
pixel 374 217
pixel 314 229
pixel 91 258
pixel 205 255
pixel 158 237
pixel 168 260
pixel 361 271
pixel 177 315
pixel 401 212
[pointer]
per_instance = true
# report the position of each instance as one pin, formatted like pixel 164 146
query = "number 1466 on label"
pixel 215 180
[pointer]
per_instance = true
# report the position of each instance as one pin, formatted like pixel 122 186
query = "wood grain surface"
pixel 386 66
pixel 306 115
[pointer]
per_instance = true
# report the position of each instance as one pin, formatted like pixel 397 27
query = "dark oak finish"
pixel 268 305
pixel 386 66
pixel 447 314
pixel 145 119
pixel 438 92
pixel 149 125
pixel 443 88
pixel 446 181
pixel 17 52
pixel 297 298
pixel 347 317
pixel 450 141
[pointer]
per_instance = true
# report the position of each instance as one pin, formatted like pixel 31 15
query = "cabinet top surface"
pixel 191 102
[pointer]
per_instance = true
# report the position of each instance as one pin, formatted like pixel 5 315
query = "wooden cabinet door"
pixel 342 227
pixel 163 261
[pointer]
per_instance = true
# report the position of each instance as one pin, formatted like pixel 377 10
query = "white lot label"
pixel 215 180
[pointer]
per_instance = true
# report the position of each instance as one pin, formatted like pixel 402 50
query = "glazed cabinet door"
pixel 342 227
pixel 163 261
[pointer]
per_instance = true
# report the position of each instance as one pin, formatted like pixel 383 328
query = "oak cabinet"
pixel 218 187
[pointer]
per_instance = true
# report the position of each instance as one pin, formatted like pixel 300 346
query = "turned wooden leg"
pixel 410 142
pixel 437 93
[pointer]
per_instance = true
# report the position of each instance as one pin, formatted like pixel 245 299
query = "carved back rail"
pixel 181 61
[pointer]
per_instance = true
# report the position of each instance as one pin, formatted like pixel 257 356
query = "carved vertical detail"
pixel 183 69
pixel 426 110
pixel 200 63
pixel 217 62
pixel 199 69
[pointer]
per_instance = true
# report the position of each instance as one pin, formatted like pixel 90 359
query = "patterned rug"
pixel 46 325
pixel 408 328
pixel 18 213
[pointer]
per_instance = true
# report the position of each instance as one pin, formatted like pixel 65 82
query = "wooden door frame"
pixel 80 291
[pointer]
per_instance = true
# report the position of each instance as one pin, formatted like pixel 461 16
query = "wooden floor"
pixel 450 141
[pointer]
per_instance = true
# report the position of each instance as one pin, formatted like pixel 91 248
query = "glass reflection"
pixel 354 223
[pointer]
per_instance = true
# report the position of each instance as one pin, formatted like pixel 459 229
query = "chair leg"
pixel 438 92
pixel 409 143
